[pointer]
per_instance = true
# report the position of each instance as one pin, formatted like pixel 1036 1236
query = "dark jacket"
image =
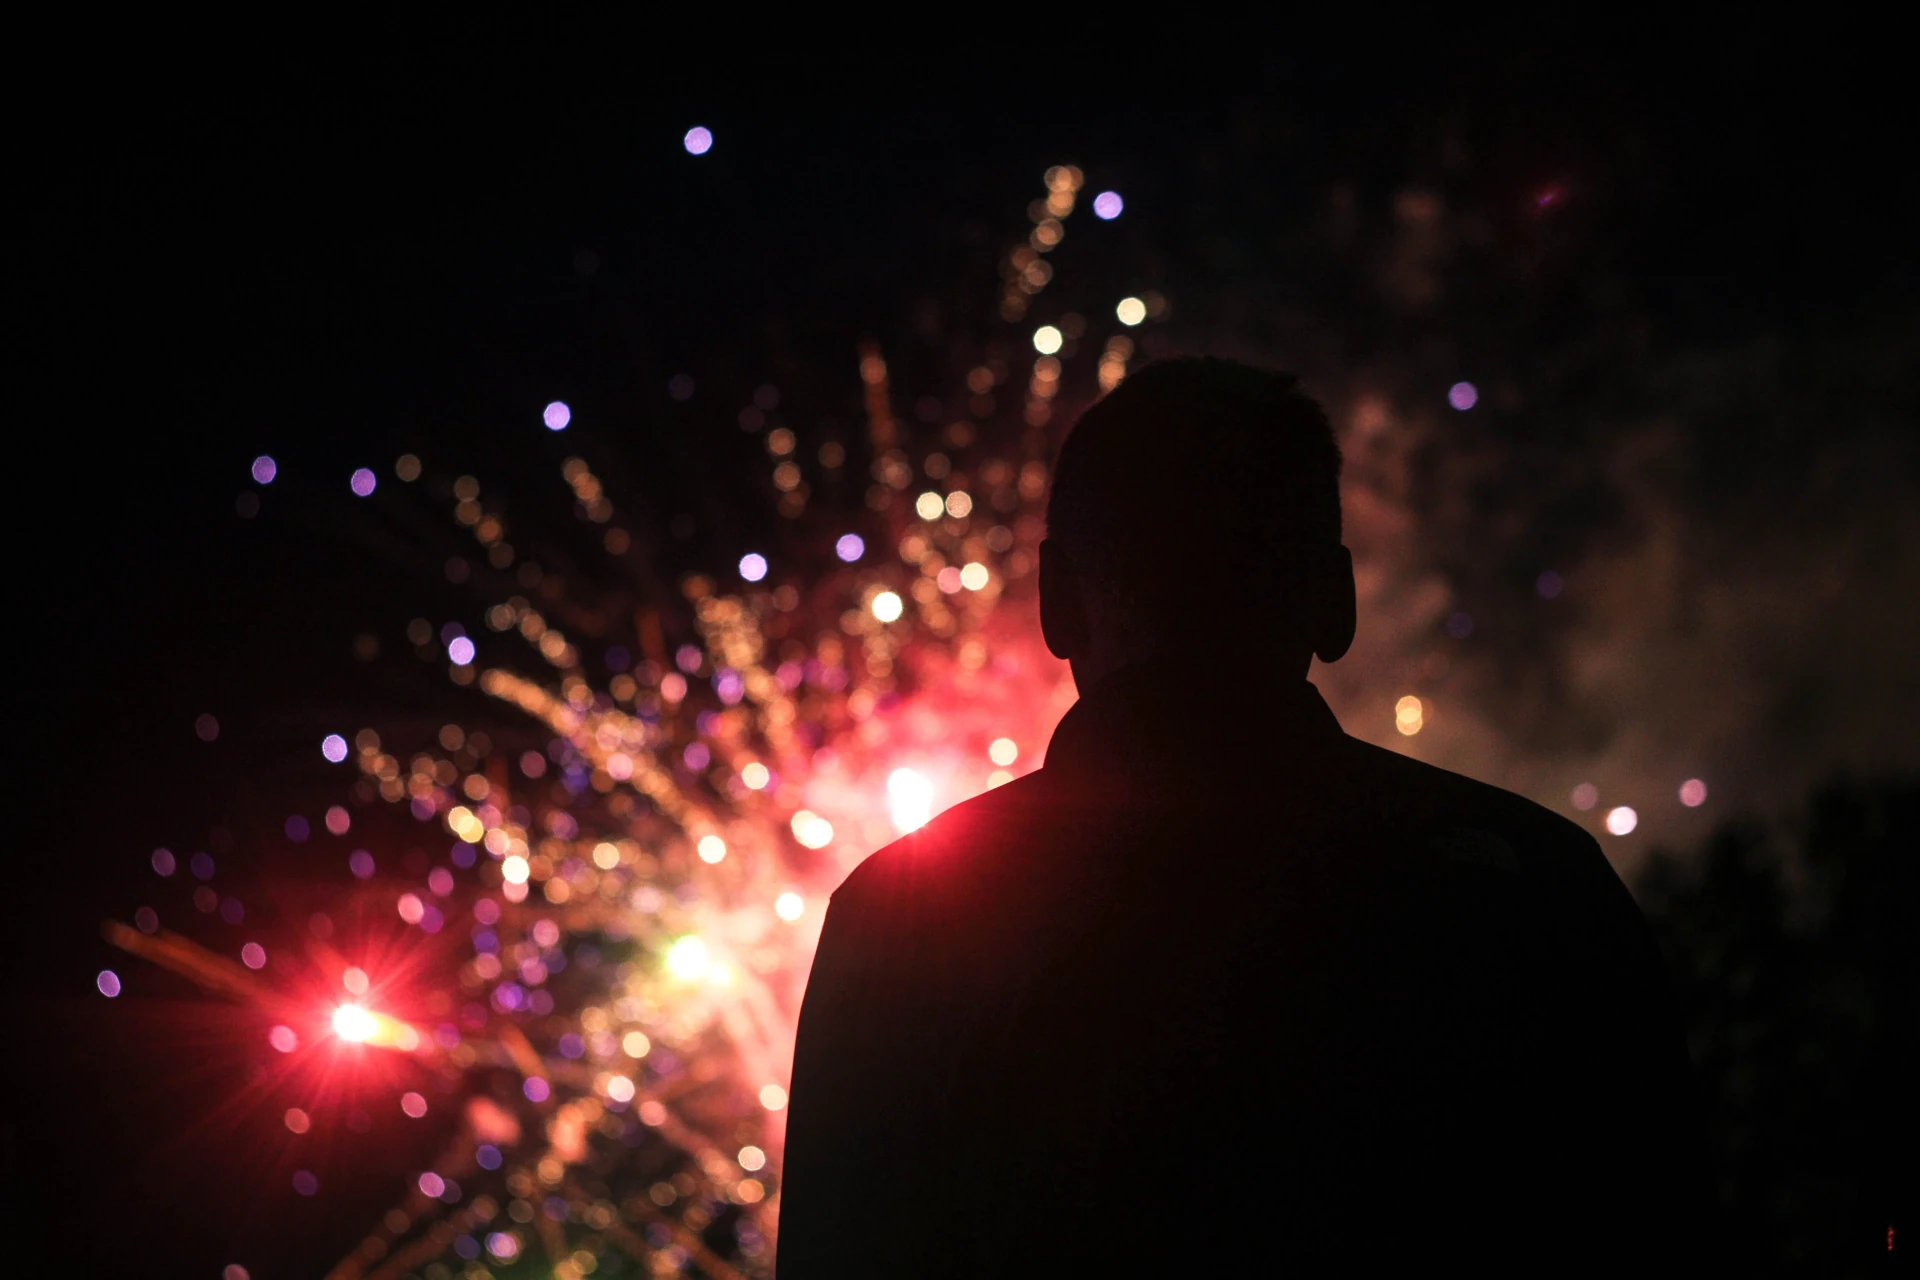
pixel 1221 987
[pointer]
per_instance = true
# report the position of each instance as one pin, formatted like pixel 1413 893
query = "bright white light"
pixel 929 506
pixel 699 140
pixel 1004 751
pixel 973 575
pixel 789 905
pixel 712 849
pixel 1131 311
pixel 1046 339
pixel 557 415
pixel 1621 820
pixel 620 1089
pixel 687 958
pixel 887 607
pixel 812 830
pixel 755 775
pixel 334 747
pixel 850 547
pixel 352 1023
pixel 753 566
pixel 910 797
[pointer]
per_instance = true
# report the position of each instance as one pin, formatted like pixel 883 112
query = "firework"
pixel 602 976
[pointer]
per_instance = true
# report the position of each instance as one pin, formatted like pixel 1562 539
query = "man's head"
pixel 1200 500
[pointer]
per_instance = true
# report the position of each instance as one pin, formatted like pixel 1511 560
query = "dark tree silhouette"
pixel 1794 949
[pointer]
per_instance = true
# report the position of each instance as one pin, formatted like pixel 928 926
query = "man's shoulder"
pixel 1464 821
pixel 953 851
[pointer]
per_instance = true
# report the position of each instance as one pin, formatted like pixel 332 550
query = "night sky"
pixel 413 249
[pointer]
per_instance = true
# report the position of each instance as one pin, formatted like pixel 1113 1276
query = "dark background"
pixel 334 259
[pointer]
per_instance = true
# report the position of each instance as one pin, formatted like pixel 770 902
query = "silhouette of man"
pixel 1220 990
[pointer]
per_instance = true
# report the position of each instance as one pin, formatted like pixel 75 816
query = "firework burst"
pixel 602 976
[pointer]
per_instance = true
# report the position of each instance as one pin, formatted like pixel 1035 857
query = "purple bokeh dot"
pixel 1107 205
pixel 850 547
pixel 108 982
pixel 699 140
pixel 362 482
pixel 334 747
pixel 557 415
pixel 460 650
pixel 1463 396
pixel 264 469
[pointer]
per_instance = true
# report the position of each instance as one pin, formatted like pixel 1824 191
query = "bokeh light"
pixel 108 982
pixel 1409 715
pixel 362 481
pixel 753 566
pixel 264 469
pixel 556 415
pixel 789 905
pixel 1107 206
pixel 1693 793
pixel 1131 311
pixel 283 1038
pixel 334 747
pixel 887 607
pixel 812 830
pixel 1047 339
pixel 460 651
pixel 1003 751
pixel 1621 820
pixel 416 1106
pixel 850 547
pixel 1585 796
pixel 698 141
pixel 1463 396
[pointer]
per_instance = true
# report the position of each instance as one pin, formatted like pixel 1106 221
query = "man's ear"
pixel 1063 614
pixel 1335 610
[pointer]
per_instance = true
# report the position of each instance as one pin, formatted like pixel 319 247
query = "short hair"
pixel 1195 474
